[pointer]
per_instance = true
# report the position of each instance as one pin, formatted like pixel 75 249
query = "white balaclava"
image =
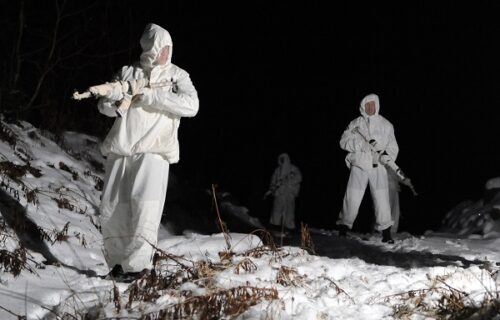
pixel 368 98
pixel 153 39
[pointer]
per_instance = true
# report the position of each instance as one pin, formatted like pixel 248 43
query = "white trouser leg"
pixel 395 213
pixel 290 212
pixel 149 188
pixel 131 208
pixel 276 211
pixel 114 210
pixel 283 208
pixel 356 186
pixel 379 187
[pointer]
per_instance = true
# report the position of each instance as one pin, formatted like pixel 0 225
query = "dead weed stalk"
pixel 14 262
pixel 222 225
pixel 452 303
pixel 287 277
pixel 222 303
pixel 306 242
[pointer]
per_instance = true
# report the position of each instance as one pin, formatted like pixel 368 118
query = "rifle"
pixel 279 183
pixel 389 163
pixel 105 89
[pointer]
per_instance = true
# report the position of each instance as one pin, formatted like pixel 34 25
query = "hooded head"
pixel 283 158
pixel 153 40
pixel 284 164
pixel 369 98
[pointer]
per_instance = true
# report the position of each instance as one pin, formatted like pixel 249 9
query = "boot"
pixel 132 276
pixel 386 236
pixel 343 230
pixel 117 274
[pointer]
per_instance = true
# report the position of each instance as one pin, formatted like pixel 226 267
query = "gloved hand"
pixel 136 85
pixel 144 96
pixel 376 146
pixel 365 147
pixel 384 157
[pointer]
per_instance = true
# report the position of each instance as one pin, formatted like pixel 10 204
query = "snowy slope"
pixel 210 276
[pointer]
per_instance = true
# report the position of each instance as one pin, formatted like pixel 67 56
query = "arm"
pixel 274 180
pixel 296 180
pixel 272 184
pixel 107 105
pixel 351 141
pixel 392 148
pixel 183 103
pixel 297 176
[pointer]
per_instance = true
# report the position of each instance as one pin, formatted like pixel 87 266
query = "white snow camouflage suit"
pixel 285 187
pixel 139 148
pixel 365 167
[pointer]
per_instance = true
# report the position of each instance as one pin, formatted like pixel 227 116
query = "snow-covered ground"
pixel 211 276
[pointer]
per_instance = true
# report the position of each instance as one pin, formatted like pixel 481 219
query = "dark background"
pixel 274 77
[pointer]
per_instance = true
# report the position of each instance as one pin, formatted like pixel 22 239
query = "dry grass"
pixel 306 242
pixel 14 262
pixel 222 303
pixel 99 183
pixel 7 135
pixel 452 303
pixel 66 168
pixel 287 277
pixel 222 225
pixel 246 265
pixel 215 304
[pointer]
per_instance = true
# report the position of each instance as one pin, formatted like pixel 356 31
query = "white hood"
pixel 368 98
pixel 372 127
pixel 153 39
pixel 284 165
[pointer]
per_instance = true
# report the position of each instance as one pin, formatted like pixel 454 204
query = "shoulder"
pixel 356 121
pixel 175 72
pixel 385 122
pixel 130 72
pixel 178 71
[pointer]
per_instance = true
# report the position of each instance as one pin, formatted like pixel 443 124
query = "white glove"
pixel 136 85
pixel 376 146
pixel 145 96
pixel 384 158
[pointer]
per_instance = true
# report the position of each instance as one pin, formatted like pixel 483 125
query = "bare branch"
pixel 17 48
pixel 48 65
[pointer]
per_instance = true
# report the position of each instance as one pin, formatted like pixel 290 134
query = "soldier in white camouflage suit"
pixel 285 187
pixel 140 147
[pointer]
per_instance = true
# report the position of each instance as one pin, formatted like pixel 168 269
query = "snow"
pixel 354 278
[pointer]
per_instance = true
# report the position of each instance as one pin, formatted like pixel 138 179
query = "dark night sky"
pixel 274 77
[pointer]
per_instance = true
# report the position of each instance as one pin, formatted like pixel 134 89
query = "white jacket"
pixel 151 123
pixel 286 178
pixel 373 127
